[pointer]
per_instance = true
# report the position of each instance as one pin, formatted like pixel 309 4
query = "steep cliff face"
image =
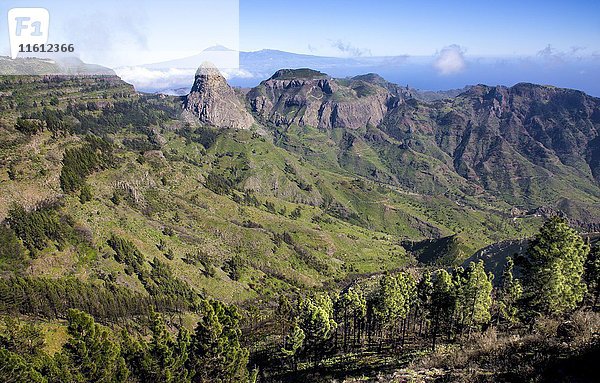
pixel 541 123
pixel 306 97
pixel 530 145
pixel 213 102
pixel 511 140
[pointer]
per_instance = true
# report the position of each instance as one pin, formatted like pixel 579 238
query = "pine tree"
pixel 10 246
pixel 352 306
pixel 89 354
pixel 554 276
pixel 424 299
pixel 23 338
pixel 286 313
pixel 215 353
pixel 443 300
pixel 293 344
pixel 592 274
pixel 389 301
pixel 317 322
pixel 85 194
pixel 393 302
pixel 165 357
pixel 478 291
pixel 134 351
pixel 15 369
pixel 509 294
pixel 293 341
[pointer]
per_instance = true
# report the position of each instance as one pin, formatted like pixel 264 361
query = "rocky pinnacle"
pixel 213 102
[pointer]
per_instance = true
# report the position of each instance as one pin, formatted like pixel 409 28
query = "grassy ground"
pixel 345 222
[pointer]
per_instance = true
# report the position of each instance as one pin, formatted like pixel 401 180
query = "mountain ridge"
pixel 532 130
pixel 400 177
pixel 508 142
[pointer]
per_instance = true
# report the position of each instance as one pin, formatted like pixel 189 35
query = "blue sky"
pixel 126 32
pixel 497 28
pixel 446 43
pixel 347 27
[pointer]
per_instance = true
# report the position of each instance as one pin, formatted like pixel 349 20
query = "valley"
pixel 305 203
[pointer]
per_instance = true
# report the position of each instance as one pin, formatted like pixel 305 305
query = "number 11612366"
pixel 46 48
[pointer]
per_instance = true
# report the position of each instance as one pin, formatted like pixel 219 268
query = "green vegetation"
pixel 128 254
pixel 11 248
pixel 38 227
pixel 555 268
pixel 509 294
pixel 592 274
pixel 136 247
pixel 291 74
pixel 52 298
pixel 79 163
pixel 216 352
pixel 92 353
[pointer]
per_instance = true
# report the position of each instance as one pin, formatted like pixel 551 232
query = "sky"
pixel 440 44
pixel 330 27
pixel 397 27
pixel 127 32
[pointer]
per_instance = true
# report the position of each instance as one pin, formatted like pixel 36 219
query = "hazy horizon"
pixel 435 45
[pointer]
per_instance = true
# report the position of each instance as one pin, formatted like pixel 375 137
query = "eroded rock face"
pixel 519 143
pixel 213 102
pixel 305 97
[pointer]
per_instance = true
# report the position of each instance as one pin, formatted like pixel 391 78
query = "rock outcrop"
pixel 307 97
pixel 213 102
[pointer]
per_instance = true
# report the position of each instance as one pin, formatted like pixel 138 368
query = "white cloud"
pixel 551 55
pixel 154 79
pixel 350 50
pixel 450 60
pixel 236 73
pixel 150 80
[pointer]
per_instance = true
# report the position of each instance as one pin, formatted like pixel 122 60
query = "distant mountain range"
pixel 125 203
pixel 419 72
pixel 304 178
pixel 59 66
pixel 247 69
pixel 529 146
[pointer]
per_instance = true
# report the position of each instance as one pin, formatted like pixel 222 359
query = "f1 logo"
pixel 27 26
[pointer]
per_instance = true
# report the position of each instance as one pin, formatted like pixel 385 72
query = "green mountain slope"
pixel 525 147
pixel 233 214
pixel 120 204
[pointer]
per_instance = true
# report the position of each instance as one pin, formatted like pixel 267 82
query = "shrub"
pixel 233 267
pixel 218 184
pixel 127 253
pixel 85 195
pixel 29 126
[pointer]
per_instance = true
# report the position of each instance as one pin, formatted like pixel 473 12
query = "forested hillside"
pixel 291 232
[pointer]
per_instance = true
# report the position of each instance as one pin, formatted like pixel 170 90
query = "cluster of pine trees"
pixel 45 226
pixel 93 353
pixel 80 162
pixel 99 118
pixel 380 318
pixel 38 227
pixel 414 308
pixel 52 298
pixel 559 272
pixel 55 121
pixel 158 280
